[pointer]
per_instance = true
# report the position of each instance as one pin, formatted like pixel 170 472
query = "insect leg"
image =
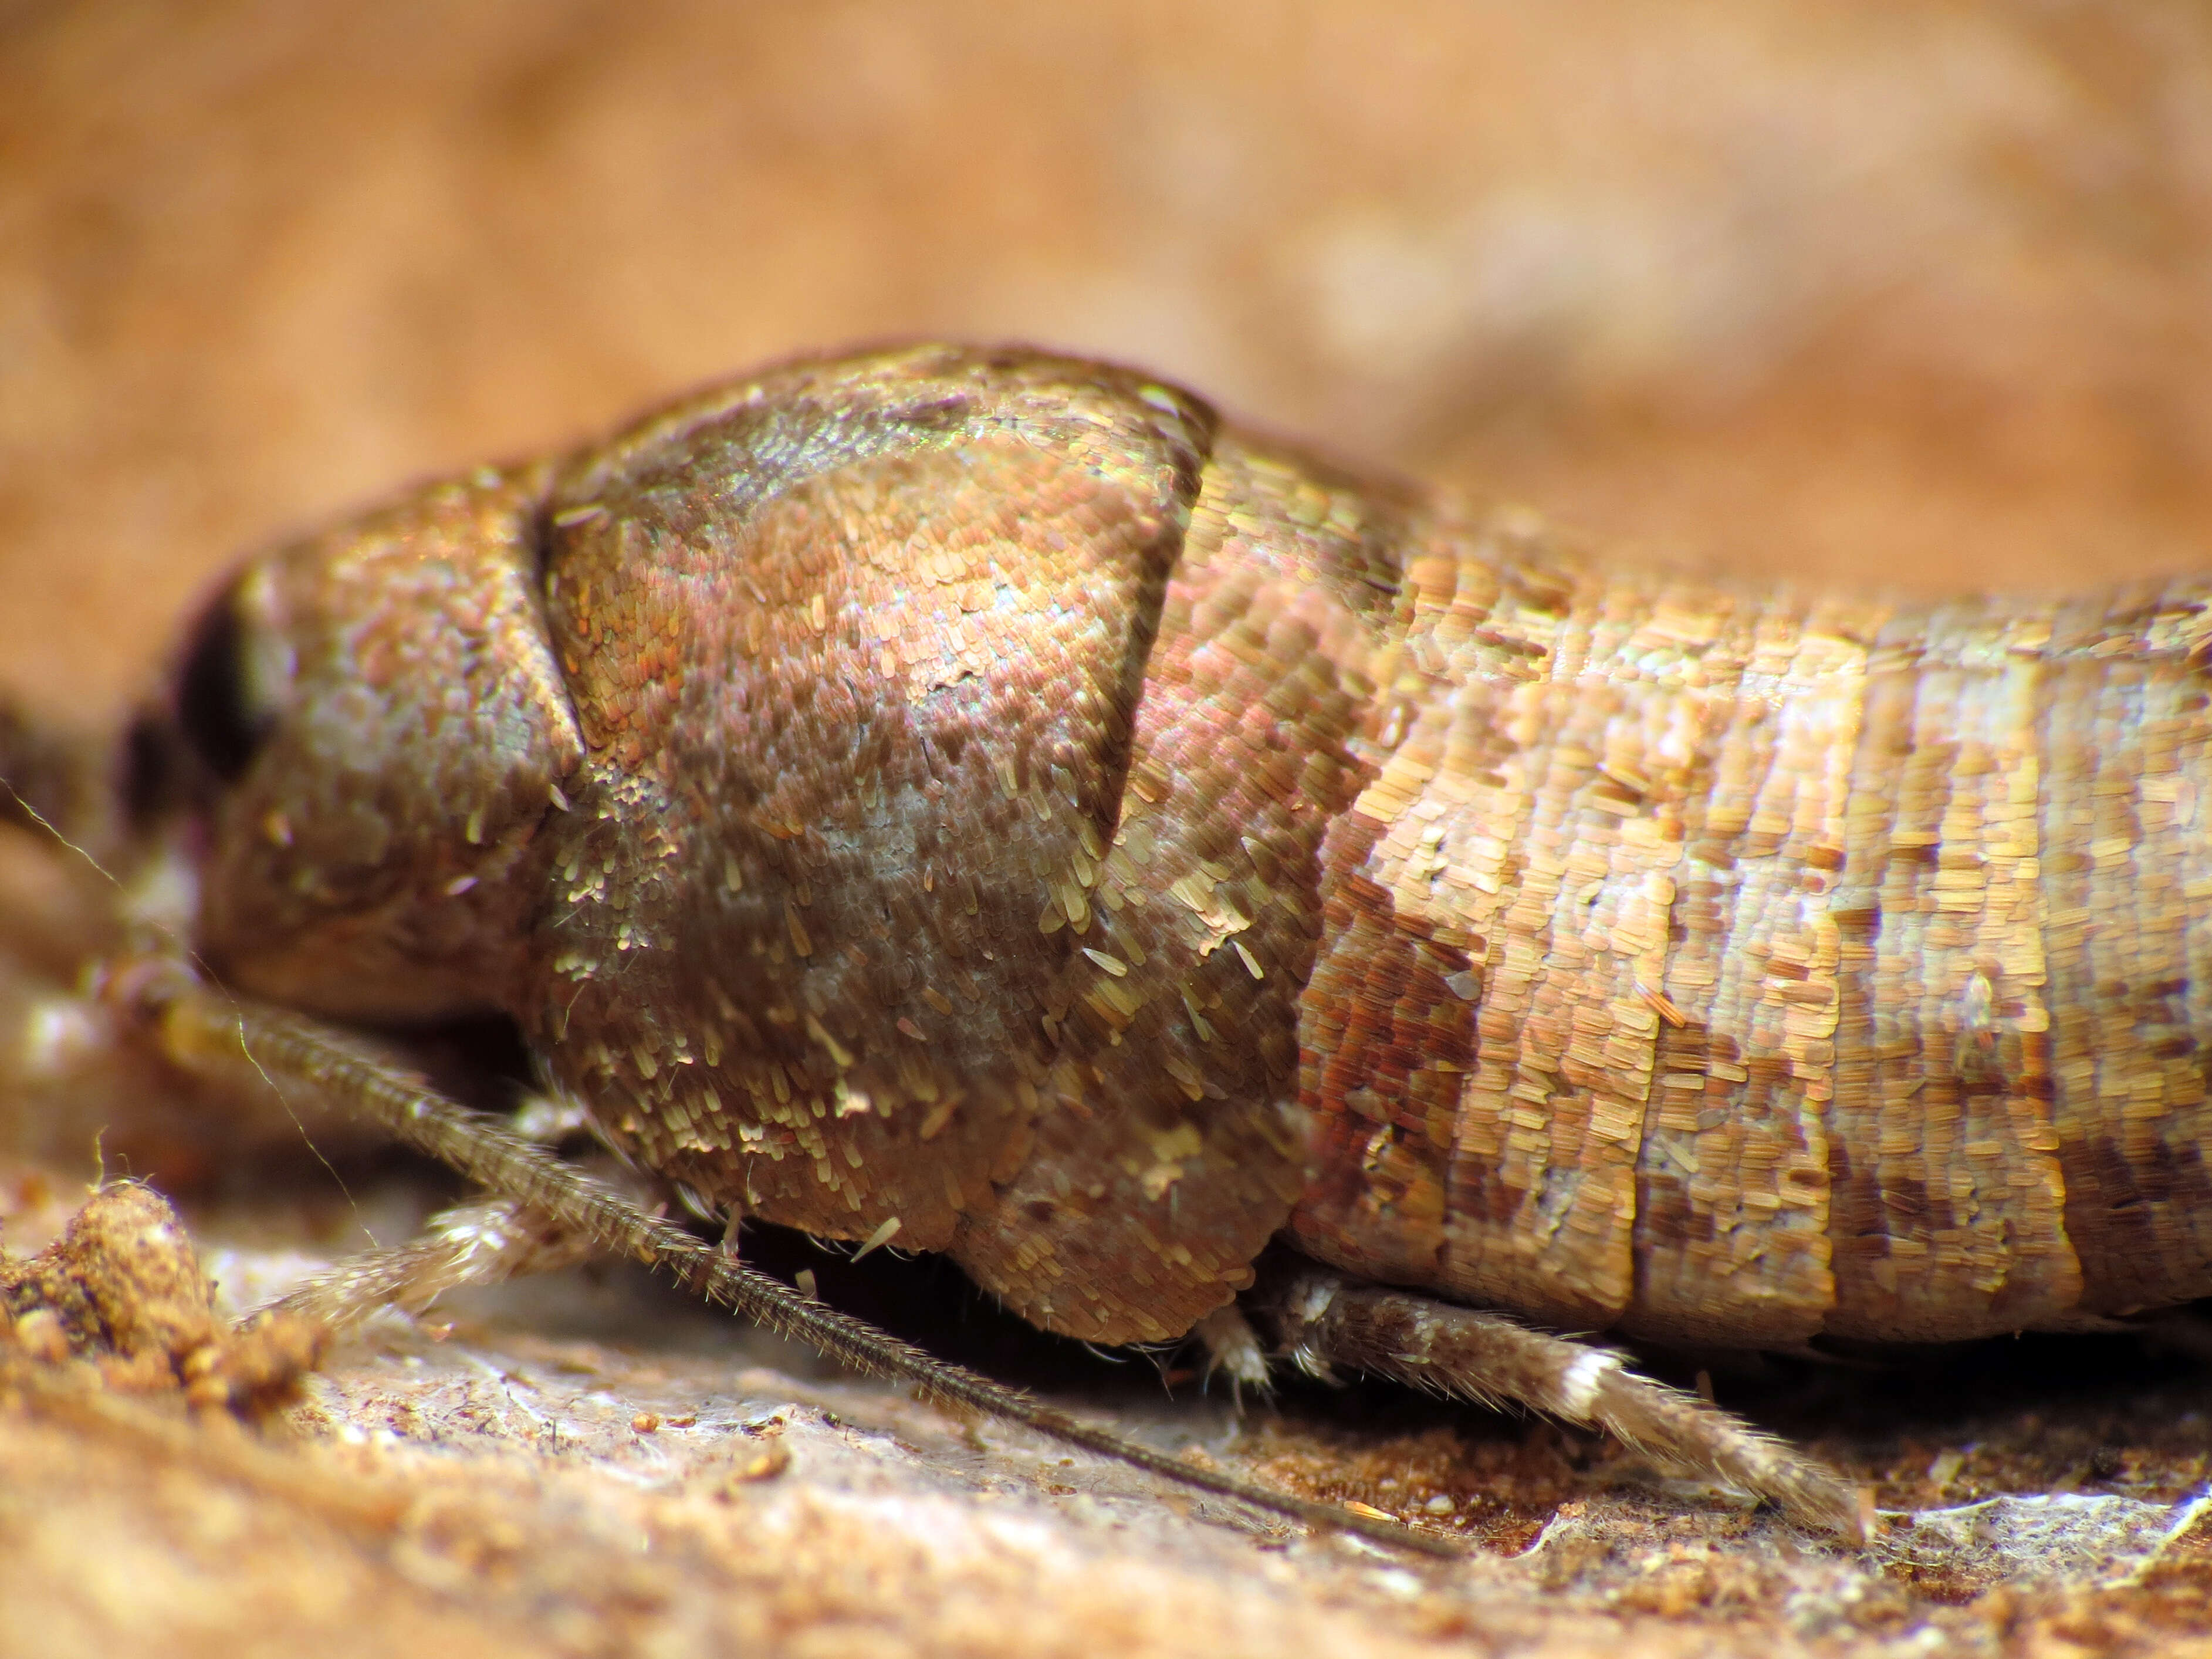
pixel 1324 1320
pixel 468 1245
pixel 478 1244
pixel 1233 1350
pixel 205 1031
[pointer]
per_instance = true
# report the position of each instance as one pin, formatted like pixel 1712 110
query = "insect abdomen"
pixel 974 796
pixel 1726 967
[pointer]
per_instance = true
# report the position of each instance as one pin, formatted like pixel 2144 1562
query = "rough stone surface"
pixel 588 1464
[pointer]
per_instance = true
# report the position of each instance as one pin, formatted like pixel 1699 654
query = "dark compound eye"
pixel 221 719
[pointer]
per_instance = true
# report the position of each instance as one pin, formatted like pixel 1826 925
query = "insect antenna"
pixel 212 1034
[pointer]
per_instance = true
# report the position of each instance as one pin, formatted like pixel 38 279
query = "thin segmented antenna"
pixel 210 1033
pixel 48 780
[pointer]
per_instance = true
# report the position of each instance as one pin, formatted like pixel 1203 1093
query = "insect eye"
pixel 222 722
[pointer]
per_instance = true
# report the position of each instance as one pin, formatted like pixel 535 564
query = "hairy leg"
pixel 1234 1351
pixel 205 1031
pixel 1324 1321
pixel 470 1244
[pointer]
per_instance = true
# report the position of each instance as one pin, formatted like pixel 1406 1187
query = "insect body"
pixel 977 797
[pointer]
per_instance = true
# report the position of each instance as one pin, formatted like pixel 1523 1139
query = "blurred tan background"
pixel 1909 294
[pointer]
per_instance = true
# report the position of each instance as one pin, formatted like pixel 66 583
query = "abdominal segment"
pixel 1728 970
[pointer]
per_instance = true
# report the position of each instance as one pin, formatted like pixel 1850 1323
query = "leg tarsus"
pixel 482 1243
pixel 1233 1351
pixel 1324 1320
pixel 210 1034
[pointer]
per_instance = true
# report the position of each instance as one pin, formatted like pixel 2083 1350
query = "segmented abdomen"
pixel 1724 967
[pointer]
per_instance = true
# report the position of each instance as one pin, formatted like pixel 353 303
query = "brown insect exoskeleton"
pixel 977 797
